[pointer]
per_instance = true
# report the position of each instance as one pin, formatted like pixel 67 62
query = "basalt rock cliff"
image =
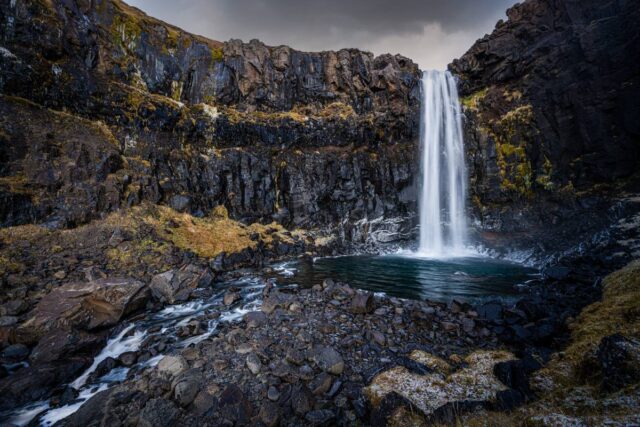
pixel 104 107
pixel 553 121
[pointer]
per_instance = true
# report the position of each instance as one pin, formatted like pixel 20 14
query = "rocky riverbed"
pixel 243 349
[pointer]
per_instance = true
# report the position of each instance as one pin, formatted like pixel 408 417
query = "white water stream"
pixel 443 224
pixel 131 338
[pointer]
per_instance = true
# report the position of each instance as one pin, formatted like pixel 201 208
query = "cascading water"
pixel 443 225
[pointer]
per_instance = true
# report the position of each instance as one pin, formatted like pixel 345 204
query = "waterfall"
pixel 443 226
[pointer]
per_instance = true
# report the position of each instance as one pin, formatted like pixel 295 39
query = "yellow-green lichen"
pixel 126 31
pixel 512 133
pixel 217 54
pixel 472 101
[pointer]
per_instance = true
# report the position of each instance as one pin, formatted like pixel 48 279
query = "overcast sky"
pixel 431 32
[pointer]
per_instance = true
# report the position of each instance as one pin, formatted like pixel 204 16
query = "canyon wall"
pixel 105 107
pixel 553 118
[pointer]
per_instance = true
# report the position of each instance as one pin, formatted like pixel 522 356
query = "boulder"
pixel 328 359
pixel 362 303
pixel 172 366
pixel 61 342
pixel 253 363
pixel 37 382
pixel 128 358
pixel 619 359
pixel 85 306
pixel 176 285
pixel 230 297
pixel 185 391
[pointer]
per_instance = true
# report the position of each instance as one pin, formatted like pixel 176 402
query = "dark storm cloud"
pixel 432 32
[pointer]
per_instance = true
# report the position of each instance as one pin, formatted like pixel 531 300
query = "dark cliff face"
pixel 132 109
pixel 553 119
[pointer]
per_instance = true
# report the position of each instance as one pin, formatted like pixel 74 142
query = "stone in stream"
pixel 105 367
pixel 176 285
pixel 255 319
pixel 230 297
pixel 128 358
pixel 172 366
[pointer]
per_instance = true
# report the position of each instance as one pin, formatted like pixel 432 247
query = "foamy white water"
pixel 443 224
pixel 171 319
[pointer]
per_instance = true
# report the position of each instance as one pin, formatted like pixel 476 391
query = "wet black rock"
pixel 105 367
pixel 490 311
pixel 619 359
pixel 128 358
pixel 15 353
pixel 556 272
pixel 320 417
pixel 234 405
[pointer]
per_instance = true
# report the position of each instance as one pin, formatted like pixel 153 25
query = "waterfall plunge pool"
pixel 471 279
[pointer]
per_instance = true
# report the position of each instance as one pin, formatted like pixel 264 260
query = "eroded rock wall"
pixel 552 114
pixel 309 139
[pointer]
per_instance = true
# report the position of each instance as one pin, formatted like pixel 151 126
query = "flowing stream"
pixel 165 325
pixel 443 225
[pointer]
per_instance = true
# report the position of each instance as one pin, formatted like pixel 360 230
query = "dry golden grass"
pixel 568 386
pixel 209 236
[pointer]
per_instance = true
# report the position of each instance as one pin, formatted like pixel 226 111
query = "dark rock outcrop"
pixel 552 117
pixel 619 359
pixel 160 115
